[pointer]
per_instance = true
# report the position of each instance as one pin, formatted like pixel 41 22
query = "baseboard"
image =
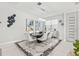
pixel 9 42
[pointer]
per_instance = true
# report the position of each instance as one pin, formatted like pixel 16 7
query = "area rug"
pixel 37 49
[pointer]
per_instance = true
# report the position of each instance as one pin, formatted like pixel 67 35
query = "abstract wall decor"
pixel 11 20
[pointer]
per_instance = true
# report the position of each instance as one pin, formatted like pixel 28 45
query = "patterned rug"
pixel 38 49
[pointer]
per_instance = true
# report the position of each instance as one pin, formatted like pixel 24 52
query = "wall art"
pixel 11 20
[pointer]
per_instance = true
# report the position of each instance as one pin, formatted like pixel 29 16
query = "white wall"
pixel 58 27
pixel 74 9
pixel 17 30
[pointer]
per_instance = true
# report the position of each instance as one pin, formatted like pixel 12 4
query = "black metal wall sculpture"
pixel 11 20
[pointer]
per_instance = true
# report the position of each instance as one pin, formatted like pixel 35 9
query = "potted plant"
pixel 76 47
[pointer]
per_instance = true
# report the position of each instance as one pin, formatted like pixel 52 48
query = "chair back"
pixel 29 37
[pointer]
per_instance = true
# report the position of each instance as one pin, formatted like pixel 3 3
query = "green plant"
pixel 76 47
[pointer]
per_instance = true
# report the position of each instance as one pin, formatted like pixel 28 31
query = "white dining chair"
pixel 50 35
pixel 29 37
pixel 44 37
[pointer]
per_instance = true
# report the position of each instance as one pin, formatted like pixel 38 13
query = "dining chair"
pixel 29 37
pixel 44 37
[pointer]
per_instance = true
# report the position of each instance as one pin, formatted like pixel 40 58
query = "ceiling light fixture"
pixel 40 4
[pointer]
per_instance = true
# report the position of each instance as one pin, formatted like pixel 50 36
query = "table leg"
pixel 38 41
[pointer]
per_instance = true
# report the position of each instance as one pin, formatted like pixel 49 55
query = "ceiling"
pixel 44 10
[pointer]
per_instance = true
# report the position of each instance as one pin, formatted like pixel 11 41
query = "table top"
pixel 36 35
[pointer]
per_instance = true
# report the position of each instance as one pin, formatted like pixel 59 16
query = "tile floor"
pixel 62 49
pixel 11 50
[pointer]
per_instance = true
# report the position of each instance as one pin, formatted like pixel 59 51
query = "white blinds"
pixel 71 26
